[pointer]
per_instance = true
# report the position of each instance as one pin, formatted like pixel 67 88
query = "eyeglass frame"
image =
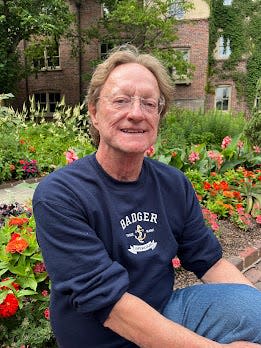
pixel 160 102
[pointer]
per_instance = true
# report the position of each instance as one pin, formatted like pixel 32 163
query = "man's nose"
pixel 136 107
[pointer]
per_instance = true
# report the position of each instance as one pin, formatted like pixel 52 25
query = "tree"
pixel 39 22
pixel 149 25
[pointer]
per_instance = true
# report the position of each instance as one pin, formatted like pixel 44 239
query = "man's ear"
pixel 92 113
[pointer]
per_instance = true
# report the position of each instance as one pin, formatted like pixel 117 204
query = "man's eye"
pixel 150 103
pixel 121 100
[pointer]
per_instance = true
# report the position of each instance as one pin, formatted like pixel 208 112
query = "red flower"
pixel 176 262
pixel 237 194
pixel 16 244
pixel 9 306
pixel 207 185
pixel 47 314
pixel 223 185
pixel 216 186
pixel 17 221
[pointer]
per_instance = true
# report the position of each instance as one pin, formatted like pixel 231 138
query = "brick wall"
pixel 195 36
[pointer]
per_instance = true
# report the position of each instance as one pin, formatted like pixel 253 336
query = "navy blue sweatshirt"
pixel 101 238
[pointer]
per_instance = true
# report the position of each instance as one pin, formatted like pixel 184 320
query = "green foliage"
pixel 241 24
pixel 185 127
pixel 253 127
pixel 26 139
pixel 147 25
pixel 41 21
pixel 24 276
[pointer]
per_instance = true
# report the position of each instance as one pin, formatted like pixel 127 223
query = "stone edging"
pixel 17 182
pixel 247 258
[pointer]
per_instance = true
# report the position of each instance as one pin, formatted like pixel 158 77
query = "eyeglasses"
pixel 125 103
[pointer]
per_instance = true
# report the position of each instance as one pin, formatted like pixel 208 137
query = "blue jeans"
pixel 224 313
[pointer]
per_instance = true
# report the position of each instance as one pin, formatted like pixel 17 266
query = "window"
pixel 181 76
pixel 223 98
pixel 50 59
pixel 223 48
pixel 176 9
pixel 105 48
pixel 227 2
pixel 47 101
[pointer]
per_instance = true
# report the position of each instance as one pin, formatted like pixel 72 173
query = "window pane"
pixel 227 2
pixel 222 101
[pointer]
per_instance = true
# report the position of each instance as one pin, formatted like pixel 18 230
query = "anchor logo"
pixel 140 235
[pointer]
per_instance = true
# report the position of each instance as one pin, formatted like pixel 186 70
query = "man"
pixel 110 224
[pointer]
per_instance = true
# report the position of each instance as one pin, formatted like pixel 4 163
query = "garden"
pixel 219 152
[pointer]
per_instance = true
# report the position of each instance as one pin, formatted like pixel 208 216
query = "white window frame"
pixel 46 104
pixel 43 63
pixel 223 98
pixel 223 52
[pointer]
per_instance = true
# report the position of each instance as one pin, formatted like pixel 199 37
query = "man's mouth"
pixel 133 131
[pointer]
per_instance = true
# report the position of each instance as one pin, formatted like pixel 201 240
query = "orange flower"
pixel 228 206
pixel 228 194
pixel 17 221
pixel 174 154
pixel 16 244
pixel 12 167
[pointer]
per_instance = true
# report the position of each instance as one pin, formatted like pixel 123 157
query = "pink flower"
pixel 150 151
pixel 256 149
pixel 216 156
pixel 45 293
pixel 226 141
pixel 176 262
pixel 70 156
pixel 39 267
pixel 258 219
pixel 193 157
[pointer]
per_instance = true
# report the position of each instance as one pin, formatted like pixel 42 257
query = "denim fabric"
pixel 224 313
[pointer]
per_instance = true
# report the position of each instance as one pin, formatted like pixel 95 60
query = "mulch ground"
pixel 233 241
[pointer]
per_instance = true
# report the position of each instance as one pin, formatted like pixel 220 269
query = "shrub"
pixel 253 127
pixel 186 127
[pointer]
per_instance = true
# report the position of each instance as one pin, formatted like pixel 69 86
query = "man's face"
pixel 127 127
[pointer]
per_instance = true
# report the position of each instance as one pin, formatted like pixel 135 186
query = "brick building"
pixel 66 78
pixel 62 74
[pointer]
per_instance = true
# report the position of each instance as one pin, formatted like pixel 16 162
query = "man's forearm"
pixel 224 272
pixel 136 321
